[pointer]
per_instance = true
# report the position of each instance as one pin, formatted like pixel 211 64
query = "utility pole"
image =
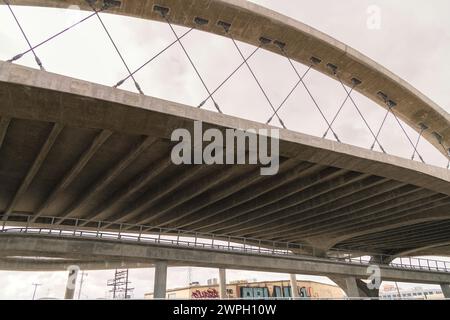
pixel 120 284
pixel 398 291
pixel 35 288
pixel 81 283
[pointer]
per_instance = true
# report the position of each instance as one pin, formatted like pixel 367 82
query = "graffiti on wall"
pixel 277 292
pixel 205 294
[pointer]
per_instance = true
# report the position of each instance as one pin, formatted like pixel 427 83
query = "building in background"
pixel 255 290
pixel 390 292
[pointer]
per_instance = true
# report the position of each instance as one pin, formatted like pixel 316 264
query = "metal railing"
pixel 104 230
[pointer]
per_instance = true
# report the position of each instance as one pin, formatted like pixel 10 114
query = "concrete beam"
pixel 274 195
pixel 109 175
pixel 398 220
pixel 4 124
pixel 39 160
pixel 39 245
pixel 204 216
pixel 306 216
pixel 38 265
pixel 384 209
pixel 141 208
pixel 74 171
pixel 120 197
pixel 270 214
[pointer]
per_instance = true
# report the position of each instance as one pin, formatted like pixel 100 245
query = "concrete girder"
pixel 439 213
pixel 396 199
pixel 141 206
pixel 40 245
pixel 109 175
pixel 245 195
pixel 182 196
pixel 326 188
pixel 271 195
pixel 39 160
pixel 120 197
pixel 212 197
pixel 34 265
pixel 74 171
pixel 409 210
pixel 393 234
pixel 383 215
pixel 4 124
pixel 420 234
pixel 358 200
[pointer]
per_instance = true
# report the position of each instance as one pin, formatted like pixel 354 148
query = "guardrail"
pixel 71 227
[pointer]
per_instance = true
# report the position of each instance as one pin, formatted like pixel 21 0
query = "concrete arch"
pixel 249 22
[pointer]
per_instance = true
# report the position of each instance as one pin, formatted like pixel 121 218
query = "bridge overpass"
pixel 60 248
pixel 75 154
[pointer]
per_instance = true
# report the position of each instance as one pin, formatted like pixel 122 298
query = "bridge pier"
pixel 223 284
pixel 294 287
pixel 351 287
pixel 445 290
pixel 160 283
pixel 354 287
pixel 71 283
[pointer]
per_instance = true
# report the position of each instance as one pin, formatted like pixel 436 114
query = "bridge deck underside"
pixel 79 156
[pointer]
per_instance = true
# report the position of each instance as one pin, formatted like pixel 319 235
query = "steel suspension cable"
pixel 36 58
pixel 338 112
pixel 229 77
pixel 361 115
pixel 290 93
pixel 151 59
pixel 216 105
pixel 136 84
pixel 407 136
pixel 422 130
pixel 257 81
pixel 310 94
pixel 381 127
pixel 20 55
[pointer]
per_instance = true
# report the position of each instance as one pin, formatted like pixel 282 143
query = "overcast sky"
pixel 413 42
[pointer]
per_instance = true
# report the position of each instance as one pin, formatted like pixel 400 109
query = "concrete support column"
pixel 223 284
pixel 446 290
pixel 71 283
pixel 352 287
pixel 160 284
pixel 294 287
